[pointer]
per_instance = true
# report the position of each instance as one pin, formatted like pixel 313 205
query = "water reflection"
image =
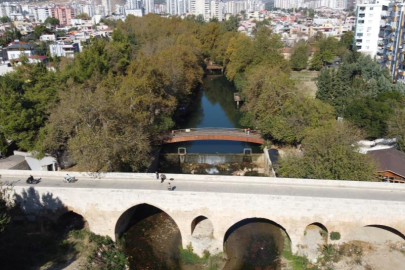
pixel 213 106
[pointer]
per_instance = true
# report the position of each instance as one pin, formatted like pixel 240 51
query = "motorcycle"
pixel 70 180
pixel 31 180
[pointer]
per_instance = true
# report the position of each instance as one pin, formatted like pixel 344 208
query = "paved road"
pixel 223 187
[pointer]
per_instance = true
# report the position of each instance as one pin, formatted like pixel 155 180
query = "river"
pixel 213 106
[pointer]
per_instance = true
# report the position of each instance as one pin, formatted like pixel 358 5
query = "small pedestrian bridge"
pixel 222 134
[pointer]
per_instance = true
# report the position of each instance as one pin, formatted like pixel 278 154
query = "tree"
pixel 5 19
pixel 326 49
pixel 5 206
pixel 358 77
pixel 329 152
pixel 396 127
pixel 25 96
pixel 346 39
pixel 231 24
pixel 370 115
pixel 83 16
pixel 277 109
pixel 299 57
pixel 100 127
pixel 52 21
pixel 41 29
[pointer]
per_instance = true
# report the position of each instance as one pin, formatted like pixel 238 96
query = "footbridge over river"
pixel 107 202
pixel 224 134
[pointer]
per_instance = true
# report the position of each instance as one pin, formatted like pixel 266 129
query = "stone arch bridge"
pixel 106 201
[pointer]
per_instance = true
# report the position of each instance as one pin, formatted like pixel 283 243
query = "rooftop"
pixel 390 160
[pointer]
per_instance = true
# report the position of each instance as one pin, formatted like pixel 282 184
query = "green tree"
pixel 25 96
pixel 326 49
pixel 299 57
pixel 396 127
pixel 346 39
pixel 5 19
pixel 83 16
pixel 41 29
pixel 231 24
pixel 329 152
pixel 52 21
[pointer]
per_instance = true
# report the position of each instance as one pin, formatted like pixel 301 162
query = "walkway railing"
pixel 218 130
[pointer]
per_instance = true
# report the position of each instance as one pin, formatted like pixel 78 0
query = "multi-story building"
pixel 63 14
pixel 380 33
pixel 368 20
pixel 107 7
pixel 217 9
pixel 200 7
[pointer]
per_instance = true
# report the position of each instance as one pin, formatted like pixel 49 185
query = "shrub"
pixel 334 236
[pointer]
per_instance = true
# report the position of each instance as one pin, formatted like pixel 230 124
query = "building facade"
pixel 379 32
pixel 63 14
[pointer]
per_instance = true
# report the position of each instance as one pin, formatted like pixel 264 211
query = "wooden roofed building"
pixel 391 164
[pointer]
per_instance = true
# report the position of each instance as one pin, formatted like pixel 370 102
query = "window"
pixel 359 34
pixel 369 34
pixel 371 8
pixel 370 21
pixel 361 21
pixel 367 47
pixel 369 29
pixel 371 15
pixel 367 41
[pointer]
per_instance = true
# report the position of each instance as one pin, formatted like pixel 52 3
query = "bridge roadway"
pixel 227 134
pixel 295 187
pixel 108 203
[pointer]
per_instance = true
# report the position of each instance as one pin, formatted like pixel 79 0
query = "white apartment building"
pixel 217 9
pixel 200 7
pixel 107 7
pixel 148 6
pixel 368 26
pixel 42 13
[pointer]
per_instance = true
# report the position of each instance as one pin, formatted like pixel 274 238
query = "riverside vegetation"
pixel 112 104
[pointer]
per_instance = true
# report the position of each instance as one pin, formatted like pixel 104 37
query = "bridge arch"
pixel 374 233
pixel 256 240
pixel 246 221
pixel 315 236
pixel 137 213
pixel 203 225
pixel 71 220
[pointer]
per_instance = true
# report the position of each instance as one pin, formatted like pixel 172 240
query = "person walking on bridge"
pixel 169 186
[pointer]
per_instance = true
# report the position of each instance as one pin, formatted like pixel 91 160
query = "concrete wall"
pixel 102 208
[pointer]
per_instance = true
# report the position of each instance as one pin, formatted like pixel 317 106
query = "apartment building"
pixel 63 14
pixel 379 33
pixel 368 20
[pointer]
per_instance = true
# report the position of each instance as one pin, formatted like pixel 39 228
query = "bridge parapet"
pixel 215 133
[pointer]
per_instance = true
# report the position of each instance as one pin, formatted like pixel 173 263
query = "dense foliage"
pixel 299 57
pixel 329 152
pixel 114 102
pixel 361 91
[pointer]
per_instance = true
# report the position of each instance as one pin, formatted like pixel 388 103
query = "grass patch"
pixel 297 262
pixel 207 262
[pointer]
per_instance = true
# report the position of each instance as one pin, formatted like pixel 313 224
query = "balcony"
pixel 389 57
pixel 388 66
pixel 384 14
pixel 402 72
pixel 380 51
pixel 390 48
